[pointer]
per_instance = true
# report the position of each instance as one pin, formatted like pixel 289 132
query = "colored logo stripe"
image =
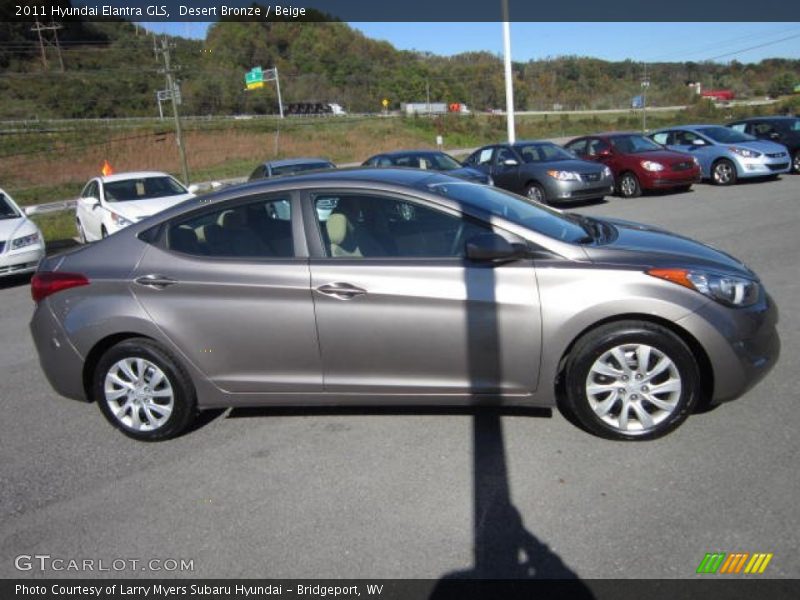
pixel 758 563
pixel 711 562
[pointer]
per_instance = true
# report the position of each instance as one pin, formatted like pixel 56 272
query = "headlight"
pixel 725 289
pixel 564 175
pixel 489 180
pixel 26 240
pixel 606 172
pixel 650 165
pixel 120 221
pixel 744 152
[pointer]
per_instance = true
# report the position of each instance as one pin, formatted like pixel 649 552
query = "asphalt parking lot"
pixel 385 494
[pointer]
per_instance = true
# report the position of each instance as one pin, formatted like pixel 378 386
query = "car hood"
pixel 577 165
pixel 469 173
pixel 648 246
pixel 12 228
pixel 664 156
pixel 763 146
pixel 136 210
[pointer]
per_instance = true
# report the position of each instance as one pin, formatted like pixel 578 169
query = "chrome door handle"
pixel 341 291
pixel 155 281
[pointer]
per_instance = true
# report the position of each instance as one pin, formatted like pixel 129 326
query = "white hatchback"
pixel 21 242
pixel 108 204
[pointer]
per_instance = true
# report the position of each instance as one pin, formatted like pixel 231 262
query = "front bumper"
pixel 13 262
pixel 576 191
pixel 763 166
pixel 742 344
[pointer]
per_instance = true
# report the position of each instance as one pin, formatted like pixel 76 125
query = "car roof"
pixel 768 118
pixel 291 162
pixel 410 152
pixel 132 175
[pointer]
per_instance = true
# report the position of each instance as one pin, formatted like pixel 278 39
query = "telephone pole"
pixel 175 94
pixel 645 85
pixel 45 41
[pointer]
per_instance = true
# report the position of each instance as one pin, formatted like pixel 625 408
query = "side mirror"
pixel 490 247
pixel 29 210
pixel 193 189
pixel 510 162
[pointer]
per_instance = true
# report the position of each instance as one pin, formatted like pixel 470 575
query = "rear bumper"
pixel 61 362
pixel 742 344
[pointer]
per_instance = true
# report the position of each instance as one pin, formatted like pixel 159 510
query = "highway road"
pixel 393 493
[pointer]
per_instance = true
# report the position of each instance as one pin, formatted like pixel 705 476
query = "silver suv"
pixel 409 288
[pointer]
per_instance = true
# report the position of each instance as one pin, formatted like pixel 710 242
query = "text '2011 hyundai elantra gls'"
pixel 398 287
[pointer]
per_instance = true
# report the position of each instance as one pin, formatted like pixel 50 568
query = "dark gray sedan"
pixel 409 287
pixel 543 172
pixel 429 160
pixel 289 166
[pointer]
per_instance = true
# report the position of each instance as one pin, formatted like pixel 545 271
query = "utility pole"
pixel 172 89
pixel 43 42
pixel 645 85
pixel 512 137
pixel 428 94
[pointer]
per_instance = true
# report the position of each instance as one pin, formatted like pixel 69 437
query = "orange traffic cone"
pixel 107 169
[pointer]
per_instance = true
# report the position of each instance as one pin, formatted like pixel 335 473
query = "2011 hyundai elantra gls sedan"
pixel 415 288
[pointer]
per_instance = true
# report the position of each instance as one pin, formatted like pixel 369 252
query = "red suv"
pixel 638 163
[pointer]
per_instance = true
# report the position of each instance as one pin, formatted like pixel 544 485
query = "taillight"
pixel 46 283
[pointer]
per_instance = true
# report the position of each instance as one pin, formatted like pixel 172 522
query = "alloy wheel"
pixel 138 394
pixel 633 388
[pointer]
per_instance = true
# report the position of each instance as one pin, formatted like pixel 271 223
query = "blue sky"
pixel 745 42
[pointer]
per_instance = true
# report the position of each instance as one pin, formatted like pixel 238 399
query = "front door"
pixel 401 311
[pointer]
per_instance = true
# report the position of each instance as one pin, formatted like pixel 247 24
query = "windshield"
pixel 435 161
pixel 290 169
pixel 7 211
pixel 725 135
pixel 144 188
pixel 513 208
pixel 633 144
pixel 532 153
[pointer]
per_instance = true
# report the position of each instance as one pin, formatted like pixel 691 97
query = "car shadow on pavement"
pixel 12 281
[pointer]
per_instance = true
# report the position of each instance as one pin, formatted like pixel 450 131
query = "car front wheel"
pixel 796 162
pixel 143 391
pixel 723 172
pixel 534 191
pixel 631 380
pixel 629 186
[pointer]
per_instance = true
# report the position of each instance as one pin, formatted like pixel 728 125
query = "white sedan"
pixel 110 203
pixel 21 242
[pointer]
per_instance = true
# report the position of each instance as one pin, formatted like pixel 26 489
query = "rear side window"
pixel 260 229
pixel 578 147
pixel 661 138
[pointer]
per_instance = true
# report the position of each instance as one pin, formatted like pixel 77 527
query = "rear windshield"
pixel 725 135
pixel 7 211
pixel 144 188
pixel 510 207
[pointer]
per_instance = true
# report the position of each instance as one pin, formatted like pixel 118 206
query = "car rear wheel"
pixel 796 162
pixel 723 172
pixel 631 380
pixel 534 191
pixel 628 186
pixel 143 391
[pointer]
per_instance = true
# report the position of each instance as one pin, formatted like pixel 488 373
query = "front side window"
pixel 7 211
pixel 740 127
pixel 371 226
pixel 578 147
pixel 661 137
pixel 260 229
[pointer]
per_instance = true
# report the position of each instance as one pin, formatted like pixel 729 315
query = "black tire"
pixel 184 401
pixel 534 191
pixel 103 232
pixel 628 186
pixel 796 162
pixel 682 189
pixel 723 172
pixel 627 335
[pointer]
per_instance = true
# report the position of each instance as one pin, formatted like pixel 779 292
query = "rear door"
pixel 401 311
pixel 229 286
